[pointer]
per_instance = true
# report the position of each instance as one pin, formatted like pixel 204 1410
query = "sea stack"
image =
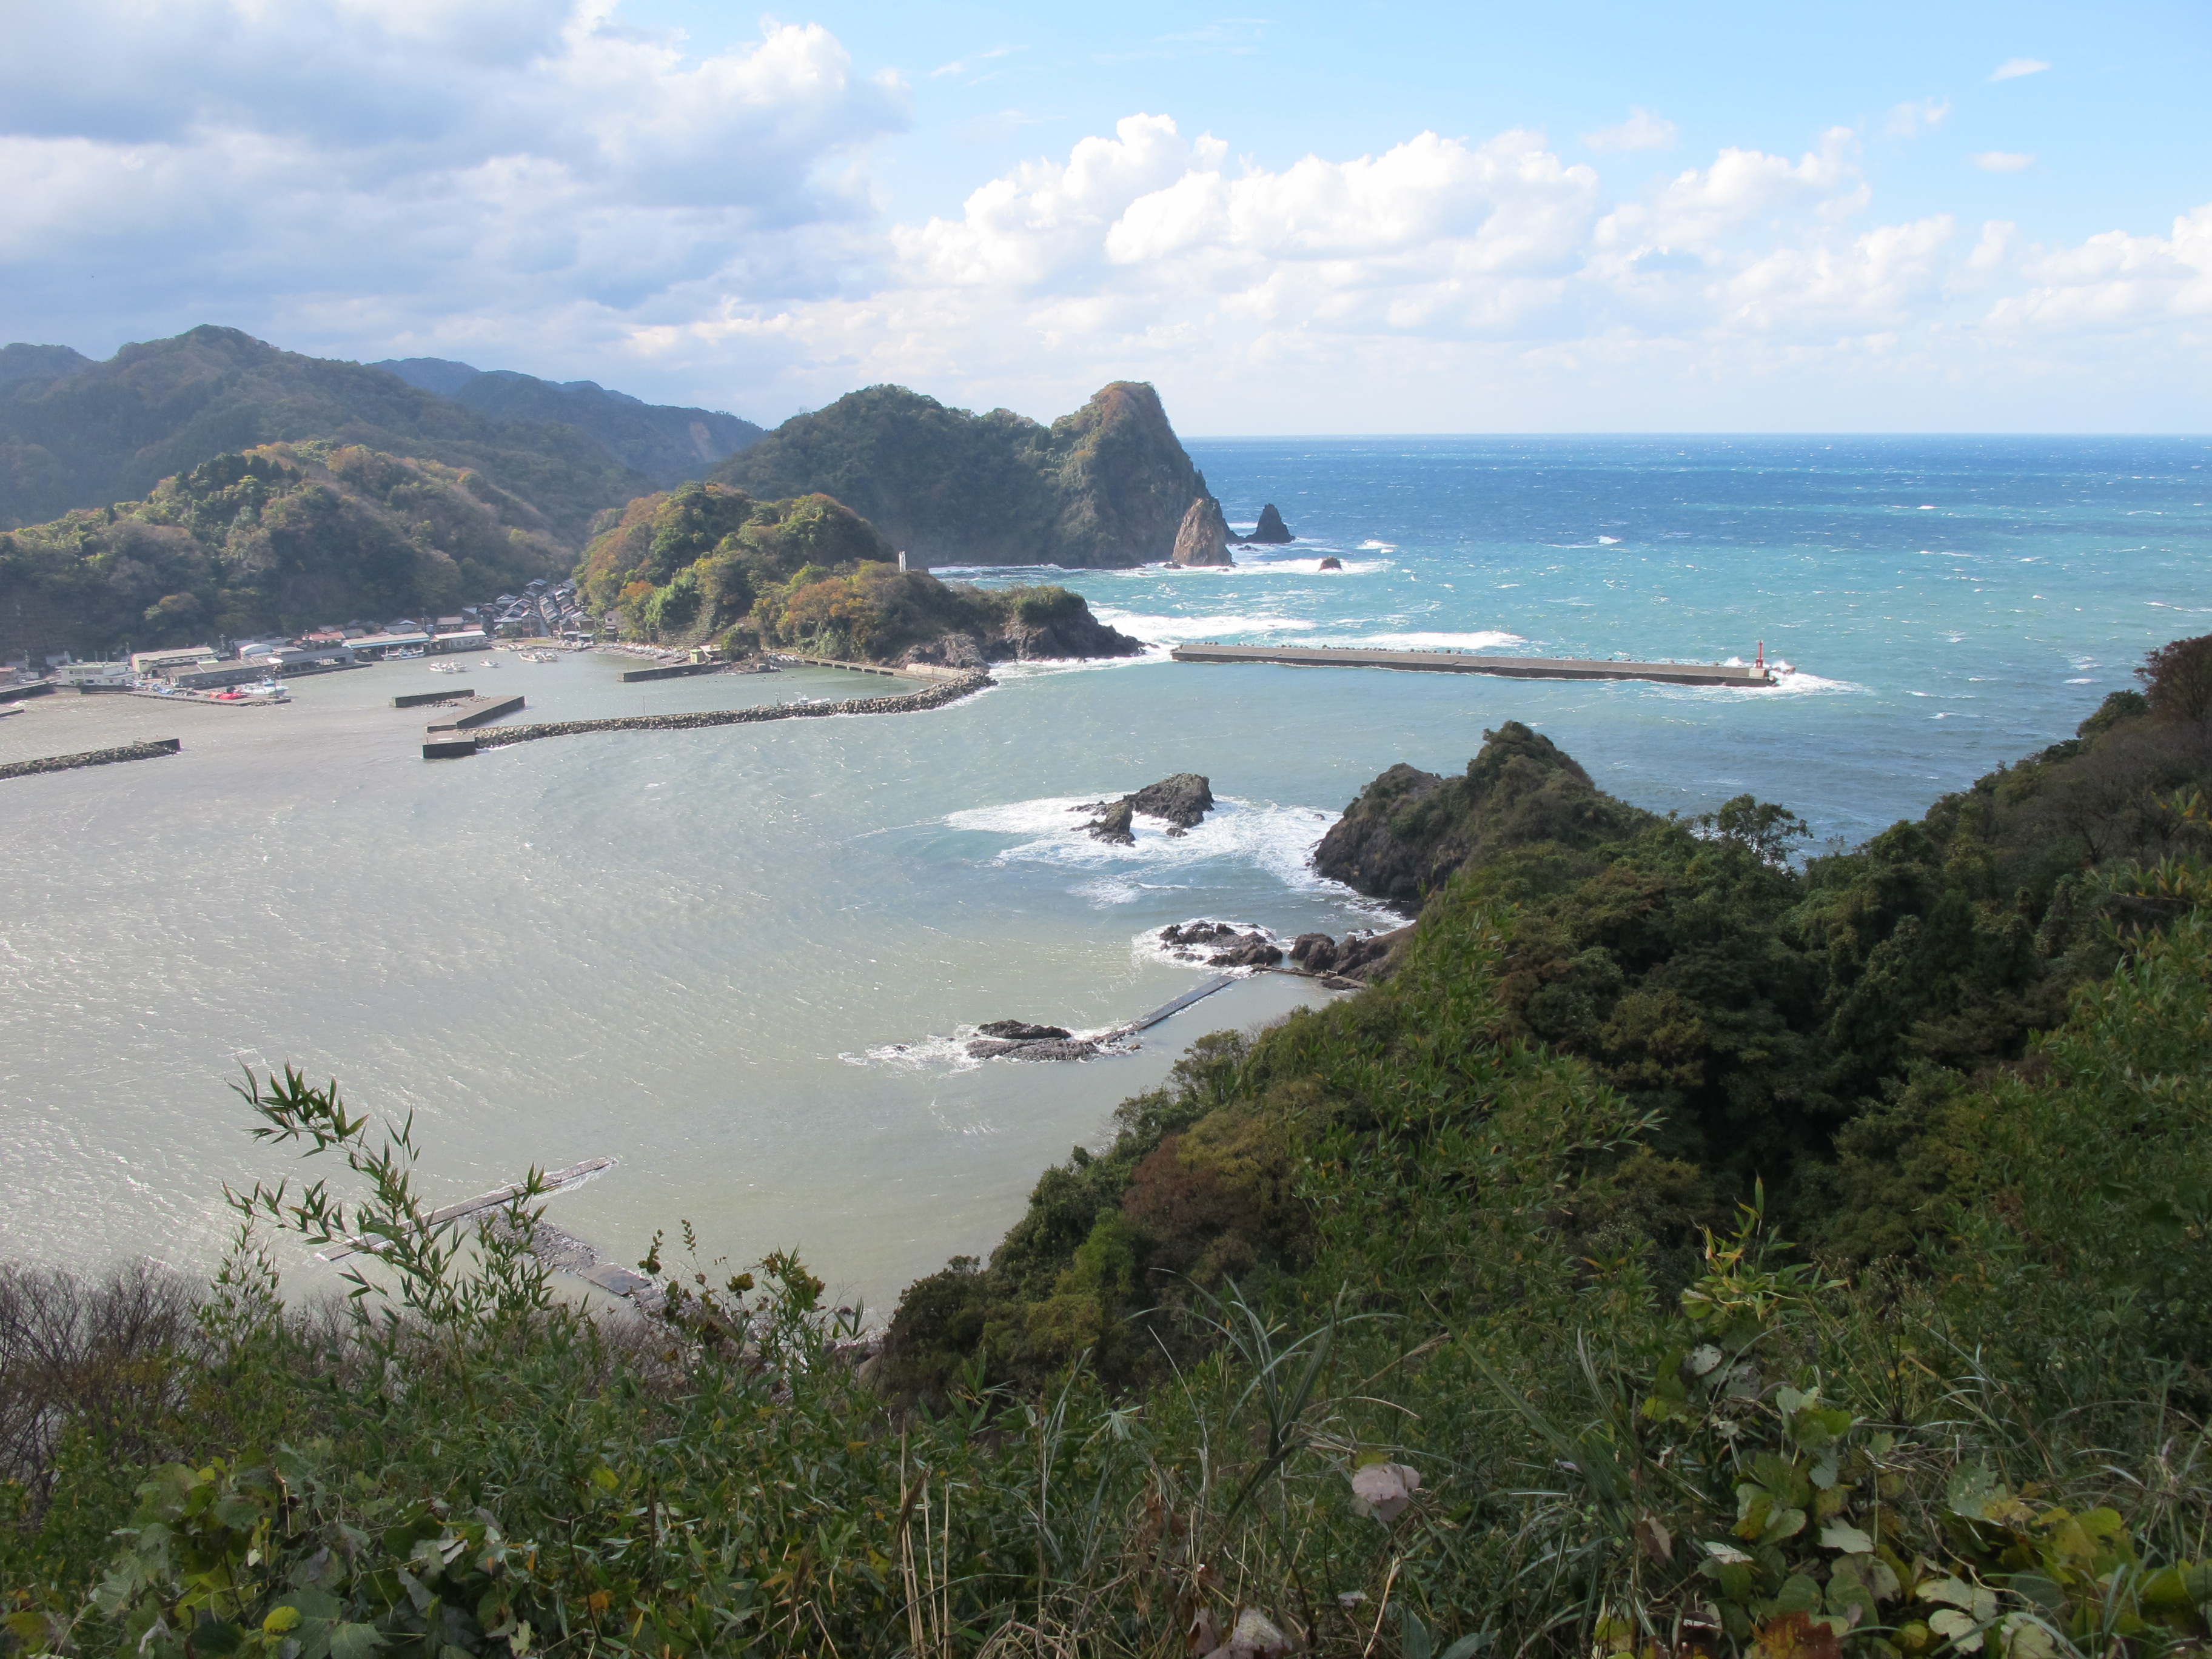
pixel 1203 537
pixel 1271 528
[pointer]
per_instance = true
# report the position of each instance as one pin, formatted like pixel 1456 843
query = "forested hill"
pixel 667 443
pixel 1103 487
pixel 96 433
pixel 282 537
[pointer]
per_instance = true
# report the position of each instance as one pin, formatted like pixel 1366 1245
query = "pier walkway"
pixel 1457 662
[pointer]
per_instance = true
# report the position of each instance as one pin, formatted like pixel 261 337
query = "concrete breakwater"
pixel 130 751
pixel 912 701
pixel 919 670
pixel 1454 662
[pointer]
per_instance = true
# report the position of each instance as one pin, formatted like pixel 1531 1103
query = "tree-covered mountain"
pixel 667 443
pixel 282 536
pixel 807 573
pixel 1105 486
pixel 104 432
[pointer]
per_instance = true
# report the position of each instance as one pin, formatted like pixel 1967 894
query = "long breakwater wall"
pixel 130 751
pixel 1455 662
pixel 912 701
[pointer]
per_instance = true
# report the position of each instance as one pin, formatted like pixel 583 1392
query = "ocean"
pixel 741 960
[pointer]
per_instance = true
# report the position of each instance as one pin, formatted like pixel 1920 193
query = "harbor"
pixel 1751 676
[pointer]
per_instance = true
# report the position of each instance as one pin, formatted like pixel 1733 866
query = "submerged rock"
pixel 1271 528
pixel 1018 1030
pixel 1203 537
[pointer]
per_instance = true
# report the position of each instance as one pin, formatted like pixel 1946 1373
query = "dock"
pixel 672 671
pixel 551 1182
pixel 1460 662
pixel 422 699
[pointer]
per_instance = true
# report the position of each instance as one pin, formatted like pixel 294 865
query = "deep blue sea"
pixel 745 961
pixel 1948 604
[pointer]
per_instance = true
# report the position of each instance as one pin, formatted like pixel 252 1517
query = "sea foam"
pixel 1261 835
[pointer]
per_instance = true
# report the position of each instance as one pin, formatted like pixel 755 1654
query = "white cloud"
pixel 528 184
pixel 1910 120
pixel 436 170
pixel 1641 131
pixel 2013 68
pixel 2002 160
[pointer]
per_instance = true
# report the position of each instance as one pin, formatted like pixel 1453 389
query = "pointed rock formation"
pixel 1203 537
pixel 1271 528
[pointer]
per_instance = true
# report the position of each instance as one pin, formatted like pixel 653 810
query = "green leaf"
pixel 1416 1639
pixel 1467 1646
pixel 352 1641
pixel 1836 1535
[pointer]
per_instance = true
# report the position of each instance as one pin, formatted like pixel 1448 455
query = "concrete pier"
pixel 672 671
pixel 1455 662
pixel 474 711
pixel 422 699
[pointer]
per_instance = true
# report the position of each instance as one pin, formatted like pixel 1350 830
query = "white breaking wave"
pixel 1481 640
pixel 1278 840
pixel 1173 630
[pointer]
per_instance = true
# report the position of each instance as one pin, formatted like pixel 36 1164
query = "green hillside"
pixel 1105 486
pixel 282 537
pixel 1398 1330
pixel 808 574
pixel 667 443
pixel 109 431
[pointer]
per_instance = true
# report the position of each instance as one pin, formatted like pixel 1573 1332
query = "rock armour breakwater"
pixel 912 701
pixel 130 751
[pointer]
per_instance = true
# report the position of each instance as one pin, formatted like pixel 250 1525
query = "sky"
pixel 1359 217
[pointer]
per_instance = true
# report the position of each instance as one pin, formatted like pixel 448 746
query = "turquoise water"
pixel 740 960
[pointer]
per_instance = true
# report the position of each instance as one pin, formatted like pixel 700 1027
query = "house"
pixel 448 625
pixel 80 673
pixel 156 662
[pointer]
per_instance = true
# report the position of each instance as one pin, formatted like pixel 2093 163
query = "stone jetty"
pixel 935 697
pixel 153 750
pixel 1460 662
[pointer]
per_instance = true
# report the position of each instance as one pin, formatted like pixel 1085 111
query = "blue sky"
pixel 1346 218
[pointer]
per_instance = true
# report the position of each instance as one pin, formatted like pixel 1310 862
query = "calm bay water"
pixel 735 958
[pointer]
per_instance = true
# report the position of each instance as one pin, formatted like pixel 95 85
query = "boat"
pixel 445 668
pixel 404 653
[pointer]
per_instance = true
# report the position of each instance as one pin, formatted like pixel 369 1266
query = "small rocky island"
pixel 1182 801
pixel 1271 529
pixel 1203 537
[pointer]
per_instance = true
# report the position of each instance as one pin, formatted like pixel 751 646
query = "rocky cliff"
pixel 1106 486
pixel 1409 829
pixel 1203 537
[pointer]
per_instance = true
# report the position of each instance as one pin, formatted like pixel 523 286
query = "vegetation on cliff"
pixel 1388 1331
pixel 707 561
pixel 1105 486
pixel 283 536
pixel 87 435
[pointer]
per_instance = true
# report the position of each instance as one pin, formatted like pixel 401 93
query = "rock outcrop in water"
pixel 1271 529
pixel 1020 1031
pixel 1361 956
pixel 1410 829
pixel 1203 537
pixel 1220 944
pixel 1332 563
pixel 1181 801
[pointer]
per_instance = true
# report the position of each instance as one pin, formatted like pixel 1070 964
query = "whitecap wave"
pixel 1173 630
pixel 1278 840
pixel 1480 641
